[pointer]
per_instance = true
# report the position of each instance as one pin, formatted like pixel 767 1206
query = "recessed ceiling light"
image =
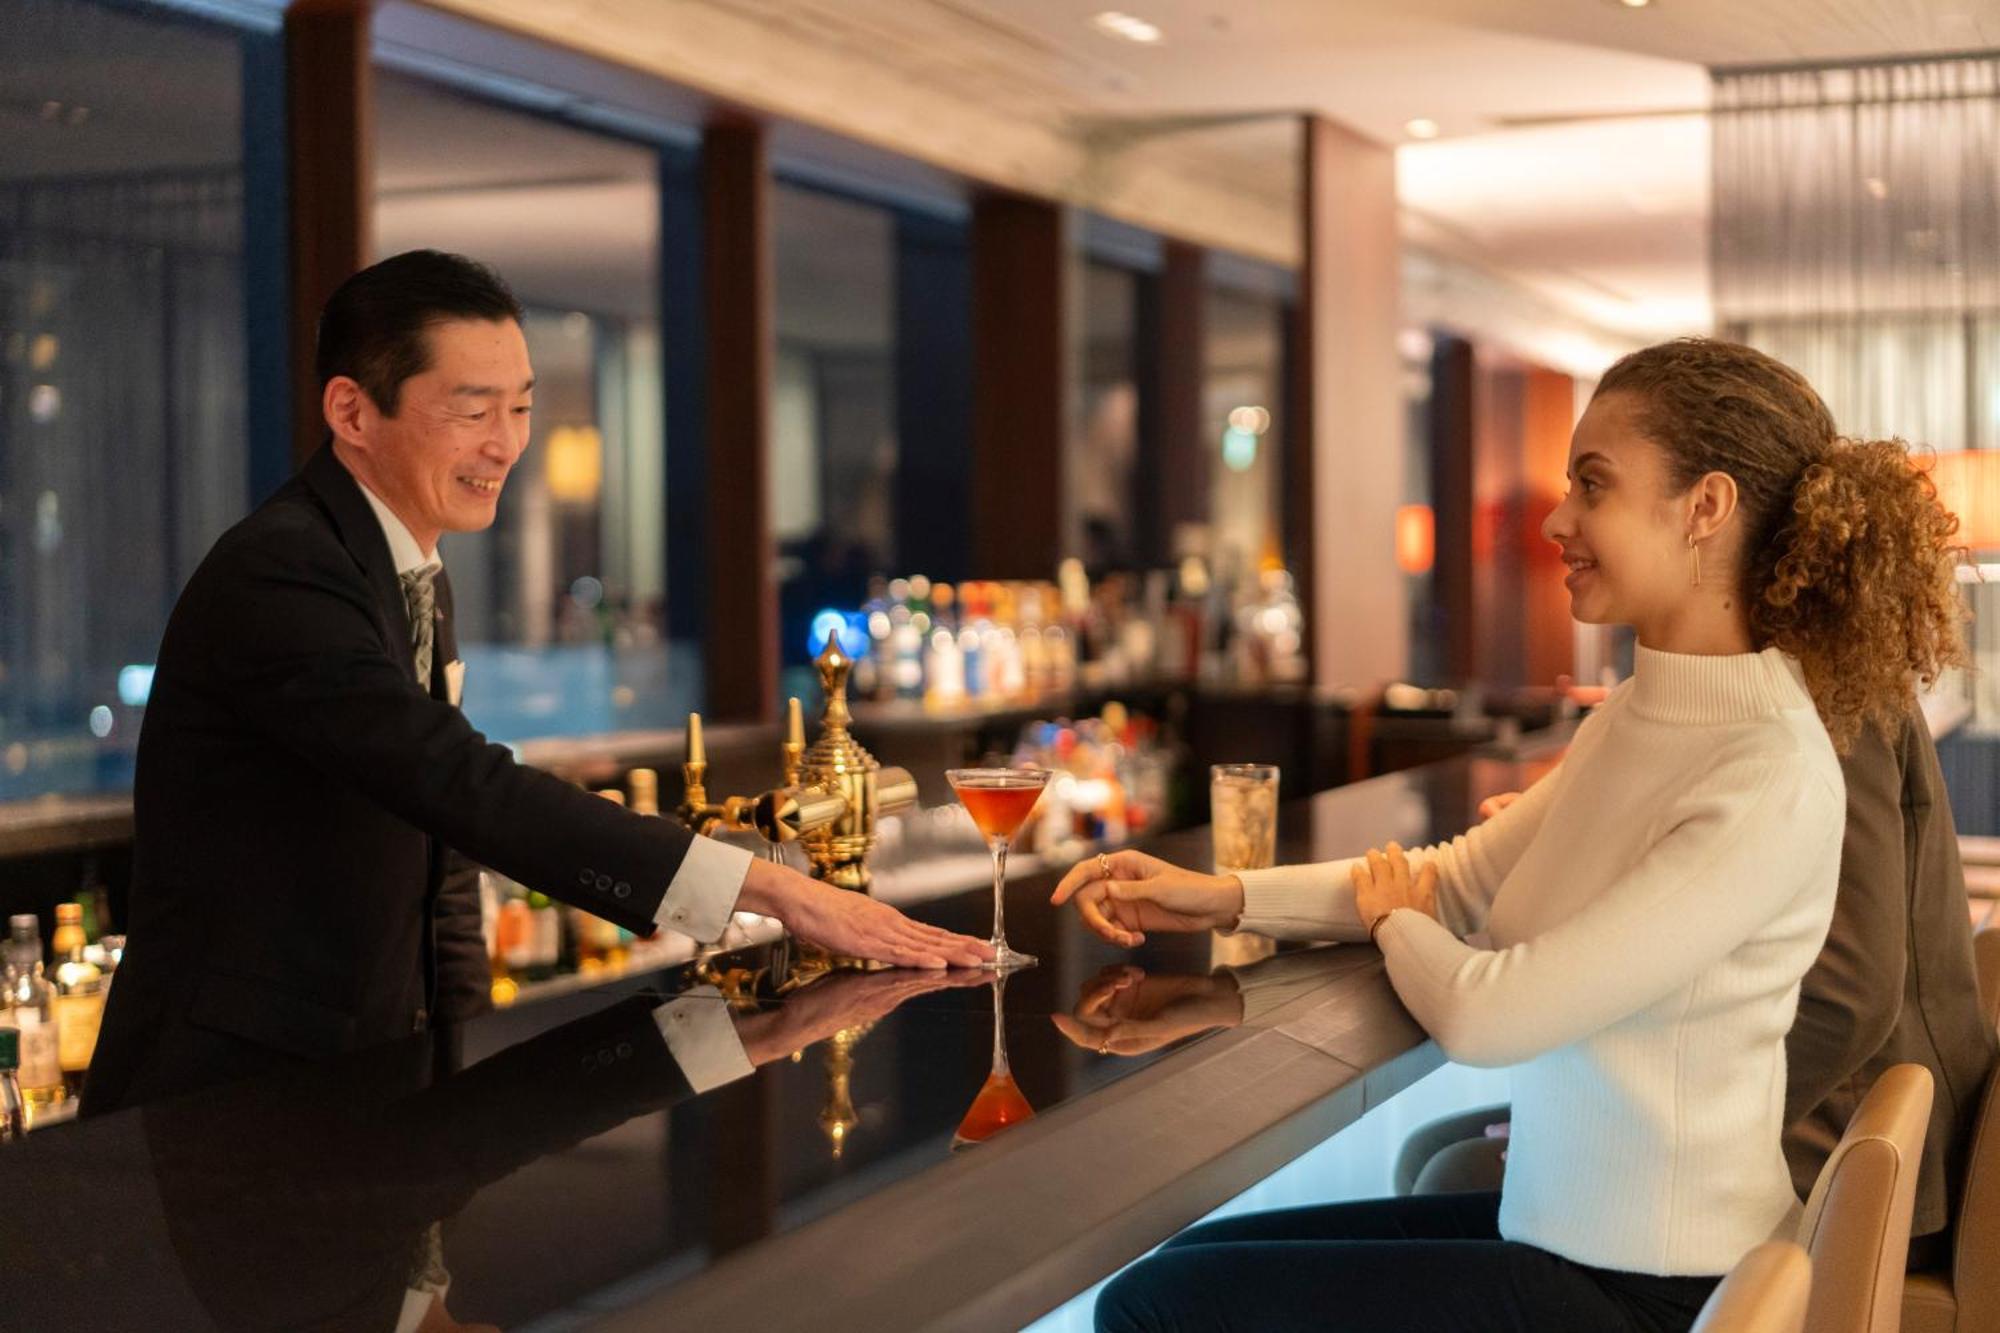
pixel 1421 128
pixel 1635 4
pixel 1128 26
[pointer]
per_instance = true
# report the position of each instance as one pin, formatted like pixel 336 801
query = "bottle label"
pixel 40 1066
pixel 78 1018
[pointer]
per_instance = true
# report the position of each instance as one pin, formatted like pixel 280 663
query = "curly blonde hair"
pixel 1848 559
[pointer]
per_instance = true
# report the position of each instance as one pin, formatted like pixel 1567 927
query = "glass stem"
pixel 999 897
pixel 999 1030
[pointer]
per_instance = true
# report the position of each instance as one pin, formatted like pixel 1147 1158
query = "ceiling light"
pixel 1635 4
pixel 1421 128
pixel 1128 26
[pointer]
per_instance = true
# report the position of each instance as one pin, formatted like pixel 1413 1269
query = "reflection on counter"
pixel 999 1103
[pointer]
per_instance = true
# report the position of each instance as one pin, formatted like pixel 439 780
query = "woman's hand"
pixel 1383 883
pixel 1126 1012
pixel 1493 805
pixel 1122 895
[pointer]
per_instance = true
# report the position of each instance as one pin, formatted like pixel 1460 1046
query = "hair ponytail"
pixel 1861 584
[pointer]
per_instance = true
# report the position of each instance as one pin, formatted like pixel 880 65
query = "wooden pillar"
pixel 1549 412
pixel 1451 503
pixel 1346 449
pixel 330 114
pixel 740 639
pixel 1177 465
pixel 1019 386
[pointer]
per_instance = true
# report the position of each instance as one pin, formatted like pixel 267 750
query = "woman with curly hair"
pixel 1648 909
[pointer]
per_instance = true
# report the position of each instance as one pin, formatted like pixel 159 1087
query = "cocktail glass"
pixel 1000 801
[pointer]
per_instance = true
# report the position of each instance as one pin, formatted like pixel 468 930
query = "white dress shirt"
pixel 702 895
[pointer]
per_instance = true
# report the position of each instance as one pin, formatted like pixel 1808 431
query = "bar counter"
pixel 581 1179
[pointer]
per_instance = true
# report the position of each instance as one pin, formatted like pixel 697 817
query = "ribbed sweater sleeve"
pixel 1690 899
pixel 1316 902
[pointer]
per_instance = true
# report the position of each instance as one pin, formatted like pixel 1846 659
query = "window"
pixel 561 604
pixel 141 354
pixel 834 433
pixel 1242 408
pixel 1105 473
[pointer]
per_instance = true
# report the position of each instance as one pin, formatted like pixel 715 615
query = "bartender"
pixel 306 784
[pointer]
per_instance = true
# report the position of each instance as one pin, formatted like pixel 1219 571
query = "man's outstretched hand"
pixel 853 924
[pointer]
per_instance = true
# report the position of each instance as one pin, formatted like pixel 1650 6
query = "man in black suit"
pixel 304 773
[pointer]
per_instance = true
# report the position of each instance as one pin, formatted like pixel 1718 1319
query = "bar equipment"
pixel 831 797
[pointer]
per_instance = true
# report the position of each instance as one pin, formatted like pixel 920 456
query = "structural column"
pixel 1019 386
pixel 1173 464
pixel 330 117
pixel 740 638
pixel 1345 450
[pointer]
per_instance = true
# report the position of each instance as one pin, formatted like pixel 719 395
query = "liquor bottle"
pixel 31 1009
pixel 544 936
pixel 79 1002
pixel 13 1106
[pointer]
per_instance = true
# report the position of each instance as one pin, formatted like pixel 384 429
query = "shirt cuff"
pixel 701 1038
pixel 703 893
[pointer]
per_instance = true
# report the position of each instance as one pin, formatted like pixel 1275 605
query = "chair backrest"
pixel 1857 1222
pixel 1986 966
pixel 1765 1293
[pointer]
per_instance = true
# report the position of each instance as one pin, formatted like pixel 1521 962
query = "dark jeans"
pixel 1432 1262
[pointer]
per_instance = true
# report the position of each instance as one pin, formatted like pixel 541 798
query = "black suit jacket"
pixel 298 801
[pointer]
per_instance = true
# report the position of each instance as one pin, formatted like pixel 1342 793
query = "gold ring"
pixel 1104 1048
pixel 1103 866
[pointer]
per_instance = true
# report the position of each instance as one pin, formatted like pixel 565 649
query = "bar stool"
pixel 1857 1222
pixel 1966 1299
pixel 1765 1293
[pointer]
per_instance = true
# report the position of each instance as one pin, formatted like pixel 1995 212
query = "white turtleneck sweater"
pixel 1651 906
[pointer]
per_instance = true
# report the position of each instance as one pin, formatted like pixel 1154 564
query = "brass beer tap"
pixel 832 795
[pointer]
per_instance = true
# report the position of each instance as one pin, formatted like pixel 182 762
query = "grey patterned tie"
pixel 420 597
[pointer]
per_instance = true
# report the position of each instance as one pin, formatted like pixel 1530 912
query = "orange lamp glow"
pixel 1968 484
pixel 1416 539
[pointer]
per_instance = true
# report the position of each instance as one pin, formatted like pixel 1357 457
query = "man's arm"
pixel 294 643
pixel 1850 998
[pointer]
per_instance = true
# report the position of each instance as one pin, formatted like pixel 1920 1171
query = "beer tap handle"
pixel 794 748
pixel 694 777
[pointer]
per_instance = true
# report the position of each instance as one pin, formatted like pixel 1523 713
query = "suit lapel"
pixel 361 532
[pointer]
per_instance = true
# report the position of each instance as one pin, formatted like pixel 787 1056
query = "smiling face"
pixel 1622 531
pixel 460 426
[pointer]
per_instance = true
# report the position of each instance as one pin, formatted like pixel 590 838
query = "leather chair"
pixel 1765 1293
pixel 1986 965
pixel 1966 1299
pixel 1857 1222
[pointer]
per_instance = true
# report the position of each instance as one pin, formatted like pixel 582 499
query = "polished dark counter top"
pixel 581 1181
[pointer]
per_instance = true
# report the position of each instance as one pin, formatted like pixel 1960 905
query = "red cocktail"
pixel 999 801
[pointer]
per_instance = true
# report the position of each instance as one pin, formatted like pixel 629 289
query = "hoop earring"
pixel 1694 558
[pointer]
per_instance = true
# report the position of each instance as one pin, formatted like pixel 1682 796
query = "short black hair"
pixel 372 328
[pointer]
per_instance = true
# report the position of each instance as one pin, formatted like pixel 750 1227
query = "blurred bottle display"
pixel 13 1106
pixel 983 641
pixel 31 1011
pixel 79 999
